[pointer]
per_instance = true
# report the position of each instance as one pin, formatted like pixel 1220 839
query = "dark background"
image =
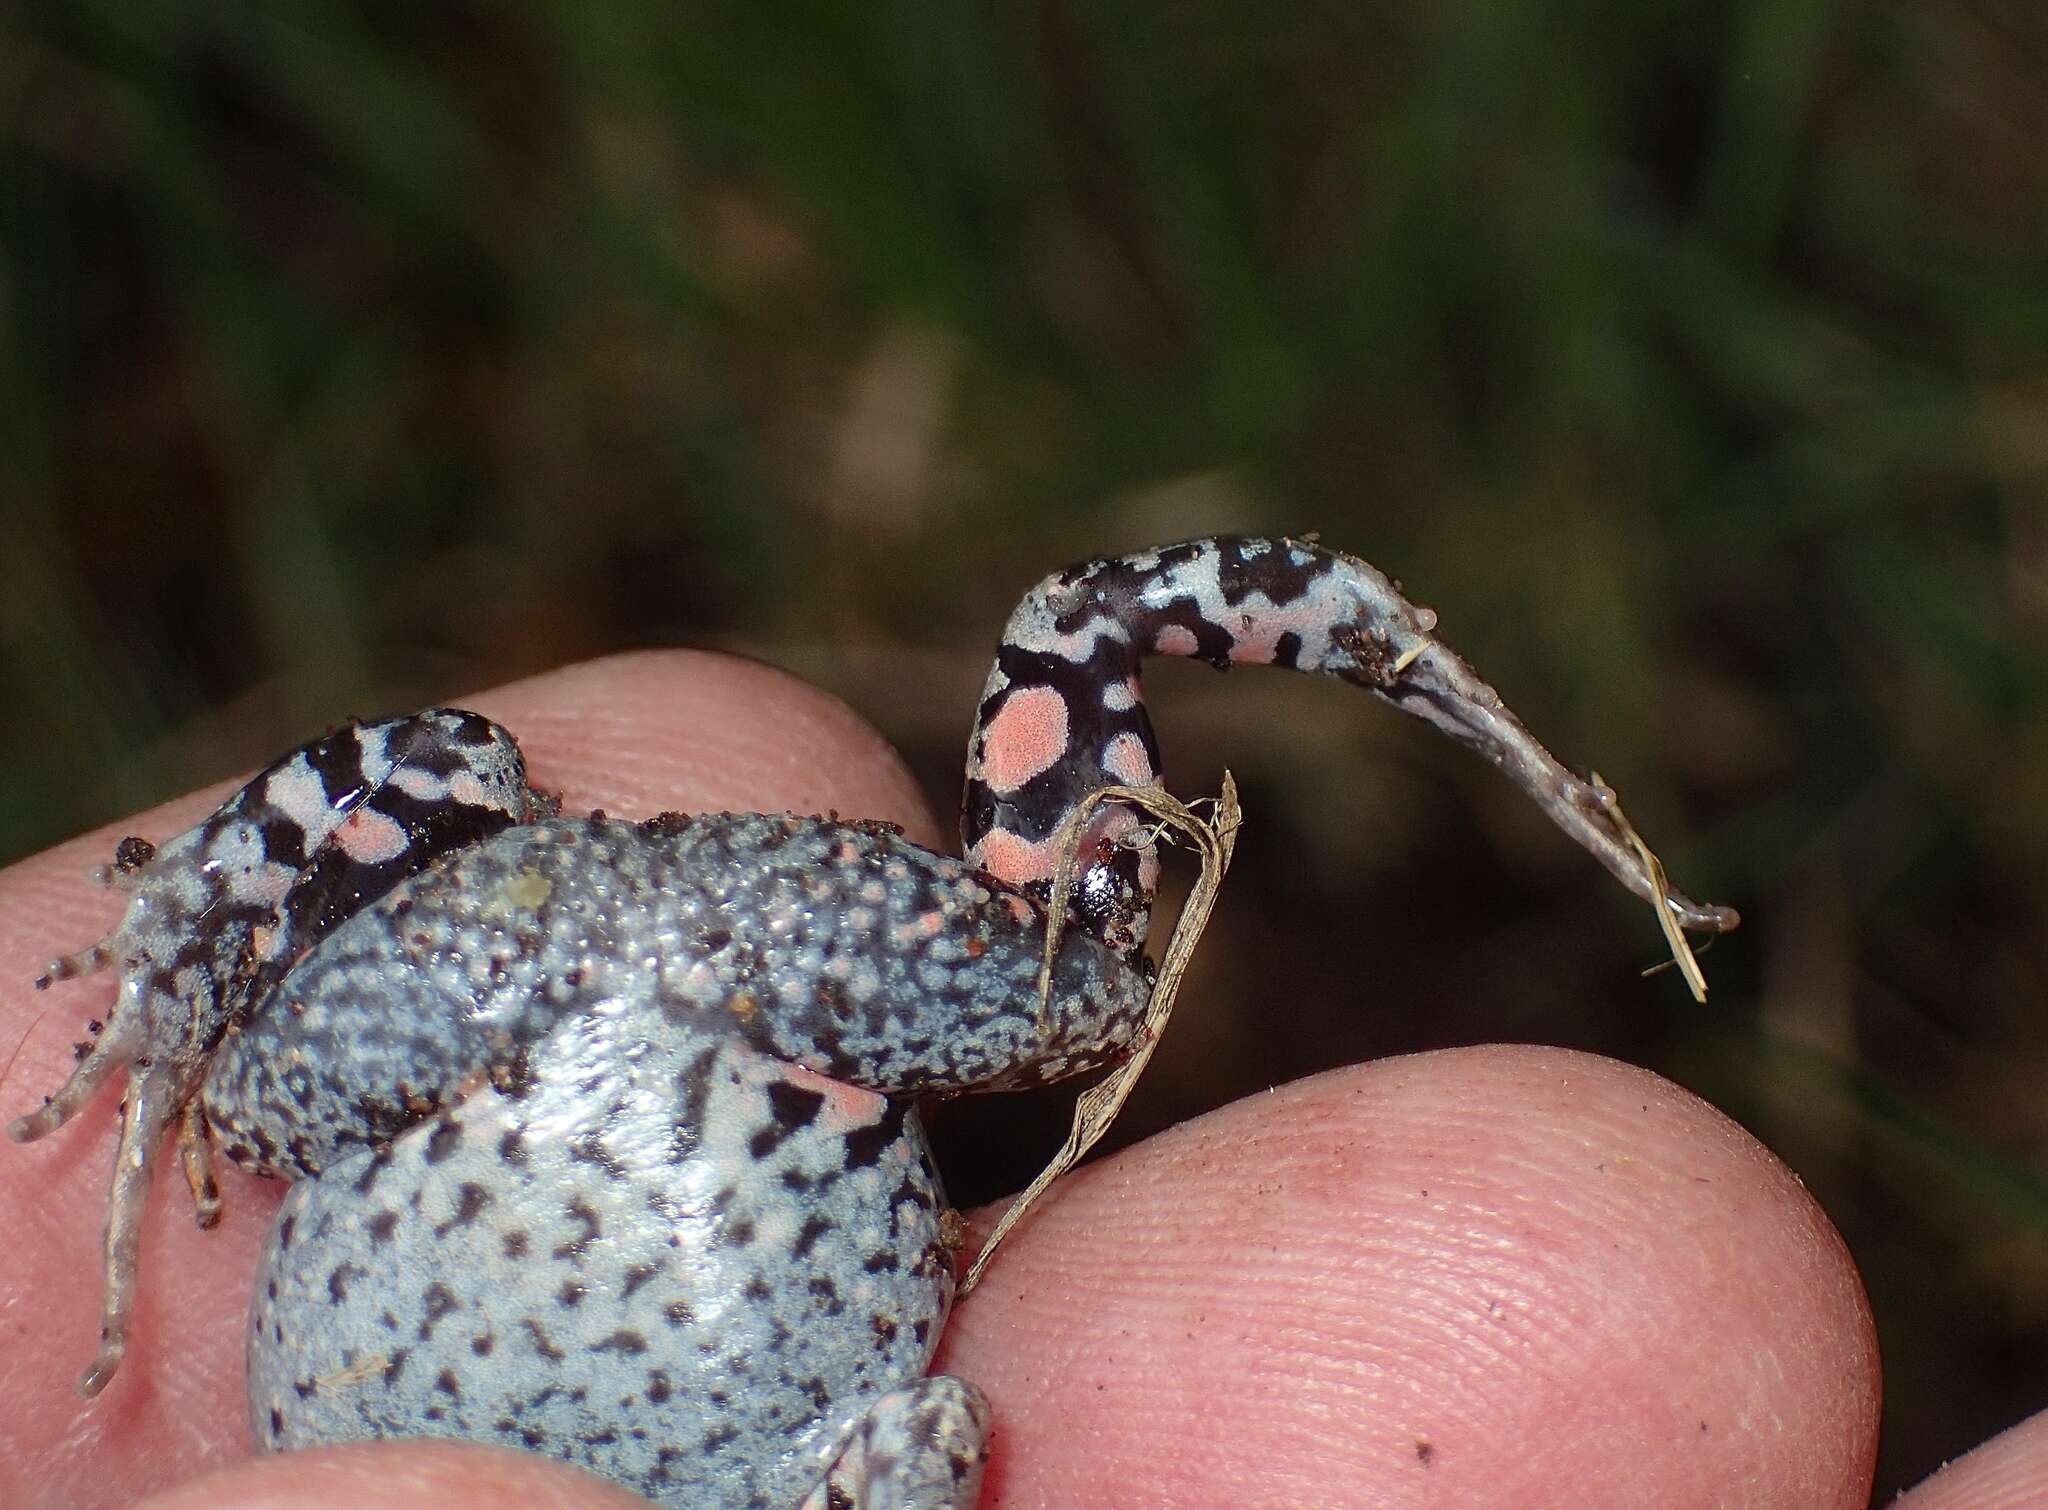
pixel 1690 359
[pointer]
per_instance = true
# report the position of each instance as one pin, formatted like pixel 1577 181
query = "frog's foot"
pixel 156 1090
pixel 921 1447
pixel 157 1035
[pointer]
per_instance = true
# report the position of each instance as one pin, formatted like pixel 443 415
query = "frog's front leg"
pixel 217 914
pixel 922 1447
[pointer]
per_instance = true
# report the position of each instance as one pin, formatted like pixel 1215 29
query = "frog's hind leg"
pixel 216 915
pixel 1062 713
pixel 922 1447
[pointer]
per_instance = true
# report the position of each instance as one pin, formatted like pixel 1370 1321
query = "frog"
pixel 605 1136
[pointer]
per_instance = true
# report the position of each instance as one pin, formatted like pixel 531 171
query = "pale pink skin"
pixel 1504 1276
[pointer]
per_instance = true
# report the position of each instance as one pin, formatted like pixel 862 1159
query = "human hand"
pixel 1509 1276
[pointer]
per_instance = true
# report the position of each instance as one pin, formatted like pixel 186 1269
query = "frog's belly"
pixel 690 1282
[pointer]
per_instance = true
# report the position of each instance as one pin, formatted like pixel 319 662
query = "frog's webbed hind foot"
pixel 922 1447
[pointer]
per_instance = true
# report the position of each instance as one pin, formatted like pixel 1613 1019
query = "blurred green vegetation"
pixel 1691 359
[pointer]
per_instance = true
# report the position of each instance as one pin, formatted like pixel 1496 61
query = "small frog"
pixel 604 1134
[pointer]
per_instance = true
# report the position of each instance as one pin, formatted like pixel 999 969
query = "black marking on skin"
pixel 382 1226
pixel 794 1106
pixel 284 841
pixel 471 1198
pixel 366 1181
pixel 815 1226
pixel 695 1103
pixel 515 1243
pixel 866 1145
pixel 590 1149
pixel 437 1302
pixel 581 1212
pixel 396 1365
pixel 637 1276
pixel 541 1343
pixel 338 761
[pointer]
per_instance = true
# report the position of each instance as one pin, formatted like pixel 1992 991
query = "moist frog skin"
pixel 604 1135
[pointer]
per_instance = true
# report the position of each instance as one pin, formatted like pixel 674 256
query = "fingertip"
pixel 451 1475
pixel 1487 1277
pixel 2010 1470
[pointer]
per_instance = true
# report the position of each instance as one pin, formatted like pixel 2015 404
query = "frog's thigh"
pixel 689 1274
pixel 921 1447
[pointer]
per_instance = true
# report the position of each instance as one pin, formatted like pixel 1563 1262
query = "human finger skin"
pixel 634 734
pixel 1485 1277
pixel 446 1475
pixel 2009 1472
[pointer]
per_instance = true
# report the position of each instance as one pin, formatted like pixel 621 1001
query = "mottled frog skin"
pixel 604 1135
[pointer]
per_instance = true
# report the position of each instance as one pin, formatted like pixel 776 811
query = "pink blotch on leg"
pixel 1028 735
pixel 370 838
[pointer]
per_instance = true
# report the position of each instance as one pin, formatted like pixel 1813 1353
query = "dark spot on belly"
pixel 443 1140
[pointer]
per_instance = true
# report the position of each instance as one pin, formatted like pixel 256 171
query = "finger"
pixel 446 1475
pixel 635 734
pixel 1507 1276
pixel 2008 1472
